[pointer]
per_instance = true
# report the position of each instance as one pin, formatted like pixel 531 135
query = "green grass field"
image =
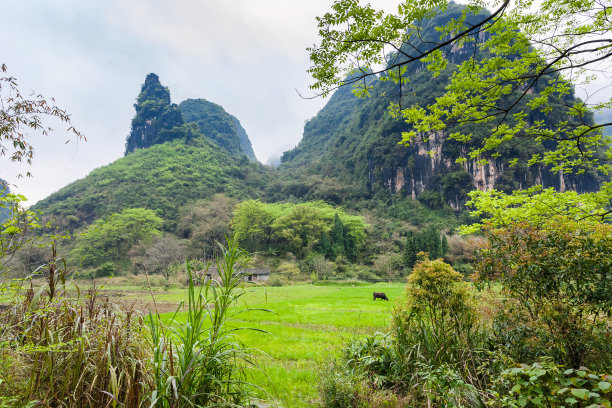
pixel 305 332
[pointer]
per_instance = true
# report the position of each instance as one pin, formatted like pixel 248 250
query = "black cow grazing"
pixel 380 295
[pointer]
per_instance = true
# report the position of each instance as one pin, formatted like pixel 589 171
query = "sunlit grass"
pixel 307 330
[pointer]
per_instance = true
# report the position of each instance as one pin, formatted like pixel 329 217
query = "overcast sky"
pixel 249 56
pixel 92 56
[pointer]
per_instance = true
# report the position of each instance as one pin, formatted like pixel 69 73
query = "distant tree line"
pixel 428 240
pixel 299 228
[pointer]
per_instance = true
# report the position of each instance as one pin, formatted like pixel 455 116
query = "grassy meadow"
pixel 305 329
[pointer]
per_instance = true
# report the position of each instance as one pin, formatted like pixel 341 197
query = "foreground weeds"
pixel 58 350
pixel 198 361
pixel 62 352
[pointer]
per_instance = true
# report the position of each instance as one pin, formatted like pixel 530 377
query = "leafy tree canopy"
pixel 519 54
pixel 111 238
pixel 297 227
pixel 559 279
pixel 541 208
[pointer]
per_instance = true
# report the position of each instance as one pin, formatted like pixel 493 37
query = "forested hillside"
pixel 163 178
pixel 218 125
pixel 355 140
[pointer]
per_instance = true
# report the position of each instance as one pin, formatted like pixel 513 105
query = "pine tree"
pixel 325 247
pixel 350 245
pixel 337 236
pixel 410 252
pixel 444 246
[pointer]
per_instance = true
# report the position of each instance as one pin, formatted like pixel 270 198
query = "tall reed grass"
pixel 60 351
pixel 198 361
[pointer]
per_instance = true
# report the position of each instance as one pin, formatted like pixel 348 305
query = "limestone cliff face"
pixel 424 166
pixel 353 142
pixel 156 117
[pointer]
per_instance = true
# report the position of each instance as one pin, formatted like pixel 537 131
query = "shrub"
pixel 434 353
pixel 289 270
pixel 319 266
pixel 276 281
pixel 445 387
pixel 437 297
pixel 365 273
pixel 372 355
pixel 545 384
pixel 107 269
pixel 558 283
pixel 388 265
pixel 339 389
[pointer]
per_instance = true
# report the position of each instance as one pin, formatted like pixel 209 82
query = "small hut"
pixel 256 275
pixel 249 275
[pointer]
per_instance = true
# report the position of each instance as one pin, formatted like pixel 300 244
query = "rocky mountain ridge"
pixel 158 121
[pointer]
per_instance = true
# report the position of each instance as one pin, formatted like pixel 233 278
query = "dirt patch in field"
pixel 146 306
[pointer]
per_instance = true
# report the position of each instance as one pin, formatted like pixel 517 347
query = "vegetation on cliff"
pixel 218 125
pixel 356 139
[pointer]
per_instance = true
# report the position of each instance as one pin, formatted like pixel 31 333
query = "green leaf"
pixel 11 230
pixel 538 373
pixel 603 385
pixel 580 393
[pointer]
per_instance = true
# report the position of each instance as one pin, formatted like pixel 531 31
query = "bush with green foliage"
pixel 547 385
pixel 299 228
pixel 557 279
pixel 106 269
pixel 110 239
pixel 435 351
pixel 439 316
